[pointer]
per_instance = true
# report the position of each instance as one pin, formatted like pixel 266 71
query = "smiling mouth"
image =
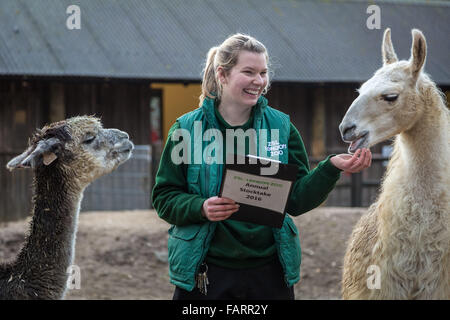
pixel 251 92
pixel 358 142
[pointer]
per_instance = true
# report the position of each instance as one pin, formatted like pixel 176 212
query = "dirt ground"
pixel 123 254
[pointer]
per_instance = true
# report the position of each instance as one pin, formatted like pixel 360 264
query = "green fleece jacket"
pixel 238 244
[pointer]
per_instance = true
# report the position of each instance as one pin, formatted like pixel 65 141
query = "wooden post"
pixel 318 123
pixel 57 106
pixel 356 189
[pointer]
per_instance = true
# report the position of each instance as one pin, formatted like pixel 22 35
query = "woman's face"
pixel 245 82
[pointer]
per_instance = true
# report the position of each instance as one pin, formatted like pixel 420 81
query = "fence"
pixel 358 189
pixel 15 190
pixel 126 188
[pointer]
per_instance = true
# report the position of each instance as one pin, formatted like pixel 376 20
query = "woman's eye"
pixel 390 97
pixel 89 140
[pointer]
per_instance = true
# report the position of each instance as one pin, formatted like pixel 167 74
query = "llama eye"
pixel 89 140
pixel 390 97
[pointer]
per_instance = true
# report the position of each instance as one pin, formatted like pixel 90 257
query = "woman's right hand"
pixel 218 209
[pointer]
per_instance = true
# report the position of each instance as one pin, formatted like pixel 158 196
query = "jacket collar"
pixel 210 103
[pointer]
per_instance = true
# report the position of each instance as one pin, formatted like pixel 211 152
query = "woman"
pixel 211 256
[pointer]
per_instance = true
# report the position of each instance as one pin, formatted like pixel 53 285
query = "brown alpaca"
pixel 405 236
pixel 65 156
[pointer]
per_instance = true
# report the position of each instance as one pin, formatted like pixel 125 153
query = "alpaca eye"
pixel 89 140
pixel 390 97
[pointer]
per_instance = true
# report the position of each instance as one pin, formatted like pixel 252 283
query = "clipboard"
pixel 261 186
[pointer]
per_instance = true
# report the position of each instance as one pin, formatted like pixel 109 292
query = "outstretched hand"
pixel 360 160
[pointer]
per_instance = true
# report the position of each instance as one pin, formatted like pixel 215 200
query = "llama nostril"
pixel 348 132
pixel 125 135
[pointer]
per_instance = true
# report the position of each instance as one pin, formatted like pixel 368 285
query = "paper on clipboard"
pixel 258 191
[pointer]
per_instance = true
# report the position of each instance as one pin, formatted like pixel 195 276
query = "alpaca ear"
pixel 418 52
pixel 45 152
pixel 387 49
pixel 16 162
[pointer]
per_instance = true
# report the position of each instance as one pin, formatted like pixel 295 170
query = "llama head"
pixel 78 146
pixel 389 102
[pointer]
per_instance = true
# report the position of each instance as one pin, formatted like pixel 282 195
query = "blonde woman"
pixel 211 256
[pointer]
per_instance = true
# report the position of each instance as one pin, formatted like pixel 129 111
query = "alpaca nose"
pixel 347 132
pixel 120 135
pixel 124 135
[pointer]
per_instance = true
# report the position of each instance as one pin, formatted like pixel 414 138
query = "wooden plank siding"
pixel 20 114
pixel 296 100
pixel 316 110
pixel 26 105
pixel 120 105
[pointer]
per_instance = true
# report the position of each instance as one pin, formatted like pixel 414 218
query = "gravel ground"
pixel 123 254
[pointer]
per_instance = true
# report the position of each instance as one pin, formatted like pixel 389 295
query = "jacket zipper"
pixel 197 268
pixel 209 227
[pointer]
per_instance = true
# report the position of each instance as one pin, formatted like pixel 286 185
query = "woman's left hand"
pixel 360 160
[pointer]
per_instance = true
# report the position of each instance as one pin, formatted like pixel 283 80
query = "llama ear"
pixel 387 49
pixel 418 52
pixel 48 157
pixel 44 152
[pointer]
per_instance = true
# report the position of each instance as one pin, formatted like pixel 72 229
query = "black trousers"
pixel 261 283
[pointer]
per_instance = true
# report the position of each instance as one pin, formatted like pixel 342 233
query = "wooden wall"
pixel 27 105
pixel 296 100
pixel 316 111
pixel 125 106
pixel 21 111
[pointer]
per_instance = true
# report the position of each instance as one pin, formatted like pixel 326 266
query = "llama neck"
pixel 413 208
pixel 49 247
pixel 424 152
pixel 416 185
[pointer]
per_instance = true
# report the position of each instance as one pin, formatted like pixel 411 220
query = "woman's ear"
pixel 221 75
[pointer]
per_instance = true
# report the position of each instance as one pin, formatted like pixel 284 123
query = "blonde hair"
pixel 226 56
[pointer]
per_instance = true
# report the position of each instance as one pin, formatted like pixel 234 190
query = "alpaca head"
pixel 389 102
pixel 80 147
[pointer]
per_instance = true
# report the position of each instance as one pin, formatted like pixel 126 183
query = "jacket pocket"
pixel 185 249
pixel 185 232
pixel 292 226
pixel 290 250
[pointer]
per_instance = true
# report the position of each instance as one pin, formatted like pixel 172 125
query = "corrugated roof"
pixel 311 41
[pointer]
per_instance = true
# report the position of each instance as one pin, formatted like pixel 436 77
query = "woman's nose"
pixel 258 79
